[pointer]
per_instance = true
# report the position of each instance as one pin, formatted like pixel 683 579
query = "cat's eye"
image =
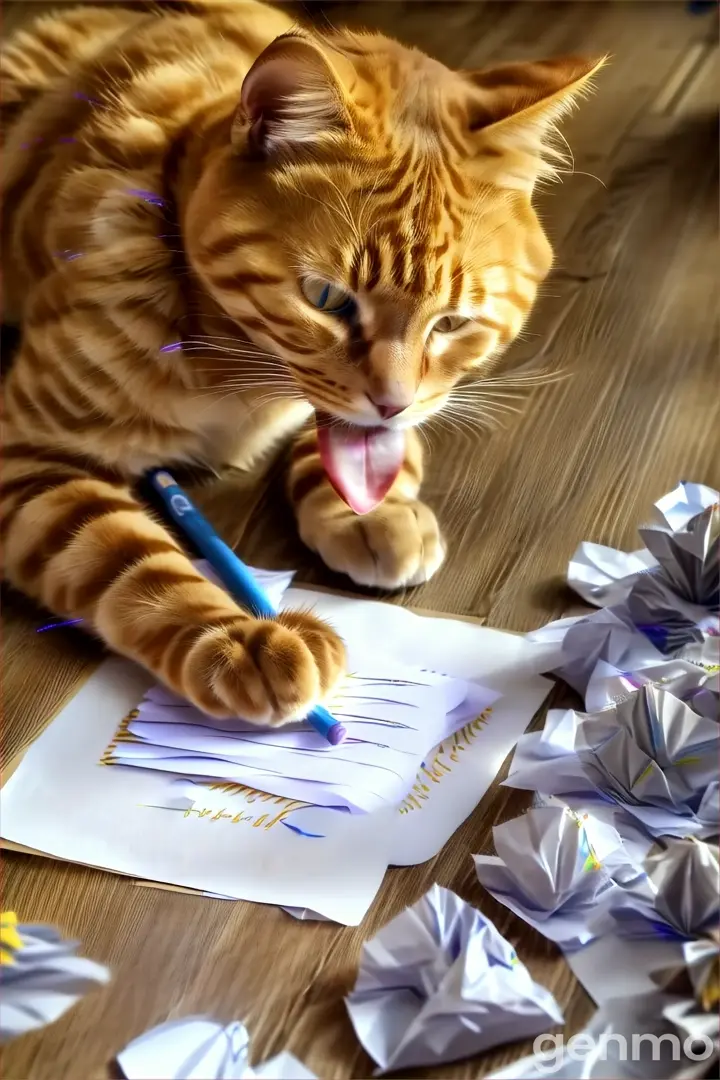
pixel 449 323
pixel 327 297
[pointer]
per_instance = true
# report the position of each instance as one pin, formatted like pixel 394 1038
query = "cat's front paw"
pixel 267 671
pixel 395 545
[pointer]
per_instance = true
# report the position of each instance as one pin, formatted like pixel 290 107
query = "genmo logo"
pixel 553 1050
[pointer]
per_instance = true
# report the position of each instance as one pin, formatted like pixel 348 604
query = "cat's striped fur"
pixel 160 208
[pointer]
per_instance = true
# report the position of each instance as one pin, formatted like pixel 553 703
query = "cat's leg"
pixel 80 543
pixel 396 544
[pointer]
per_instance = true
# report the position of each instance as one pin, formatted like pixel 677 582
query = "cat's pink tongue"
pixel 361 463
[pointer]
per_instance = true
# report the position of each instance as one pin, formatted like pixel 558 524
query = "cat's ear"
pixel 291 98
pixel 514 108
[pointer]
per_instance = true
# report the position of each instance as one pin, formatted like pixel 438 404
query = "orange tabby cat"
pixel 218 226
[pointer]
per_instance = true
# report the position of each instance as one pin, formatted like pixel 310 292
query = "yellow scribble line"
pixel 121 735
pixel 437 768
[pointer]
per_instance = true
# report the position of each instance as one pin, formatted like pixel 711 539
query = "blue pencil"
pixel 233 573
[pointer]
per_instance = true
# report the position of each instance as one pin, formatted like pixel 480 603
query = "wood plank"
pixel 631 316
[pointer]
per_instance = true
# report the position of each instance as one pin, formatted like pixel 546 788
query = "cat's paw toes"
pixel 397 544
pixel 269 672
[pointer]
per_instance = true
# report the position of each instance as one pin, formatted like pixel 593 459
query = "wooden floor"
pixel 630 316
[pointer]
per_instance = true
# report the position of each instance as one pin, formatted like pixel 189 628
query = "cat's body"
pixel 201 259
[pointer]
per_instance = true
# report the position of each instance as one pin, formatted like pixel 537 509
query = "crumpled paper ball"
pixel 197 1048
pixel 553 867
pixel 679 897
pixel 679 601
pixel 607 635
pixel 40 976
pixel 650 754
pixel 439 983
pixel 604 576
pixel 699 974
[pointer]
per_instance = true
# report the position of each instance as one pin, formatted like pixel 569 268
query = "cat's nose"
pixel 389 405
pixel 388 411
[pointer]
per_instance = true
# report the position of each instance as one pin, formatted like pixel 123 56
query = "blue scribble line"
pixel 57 625
pixel 303 832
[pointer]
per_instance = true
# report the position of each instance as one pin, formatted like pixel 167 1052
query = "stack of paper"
pixel 393 716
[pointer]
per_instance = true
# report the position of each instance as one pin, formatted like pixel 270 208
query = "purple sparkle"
pixel 85 97
pixel 56 625
pixel 176 346
pixel 148 196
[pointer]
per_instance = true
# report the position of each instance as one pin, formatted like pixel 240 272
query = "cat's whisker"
pixel 244 387
pixel 480 403
pixel 498 395
pixel 236 388
pixel 228 351
pixel 217 397
pixel 524 378
pixel 483 408
pixel 232 352
pixel 476 415
pixel 230 387
pixel 422 436
pixel 224 337
pixel 472 423
pixel 462 422
pixel 233 360
pixel 455 429
pixel 500 400
pixel 223 341
pixel 252 369
pixel 235 369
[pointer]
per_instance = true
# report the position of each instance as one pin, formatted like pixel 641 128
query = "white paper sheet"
pixel 62 802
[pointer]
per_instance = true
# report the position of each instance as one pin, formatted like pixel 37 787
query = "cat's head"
pixel 370 223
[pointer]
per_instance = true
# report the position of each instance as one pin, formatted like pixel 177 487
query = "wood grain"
pixel 630 316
